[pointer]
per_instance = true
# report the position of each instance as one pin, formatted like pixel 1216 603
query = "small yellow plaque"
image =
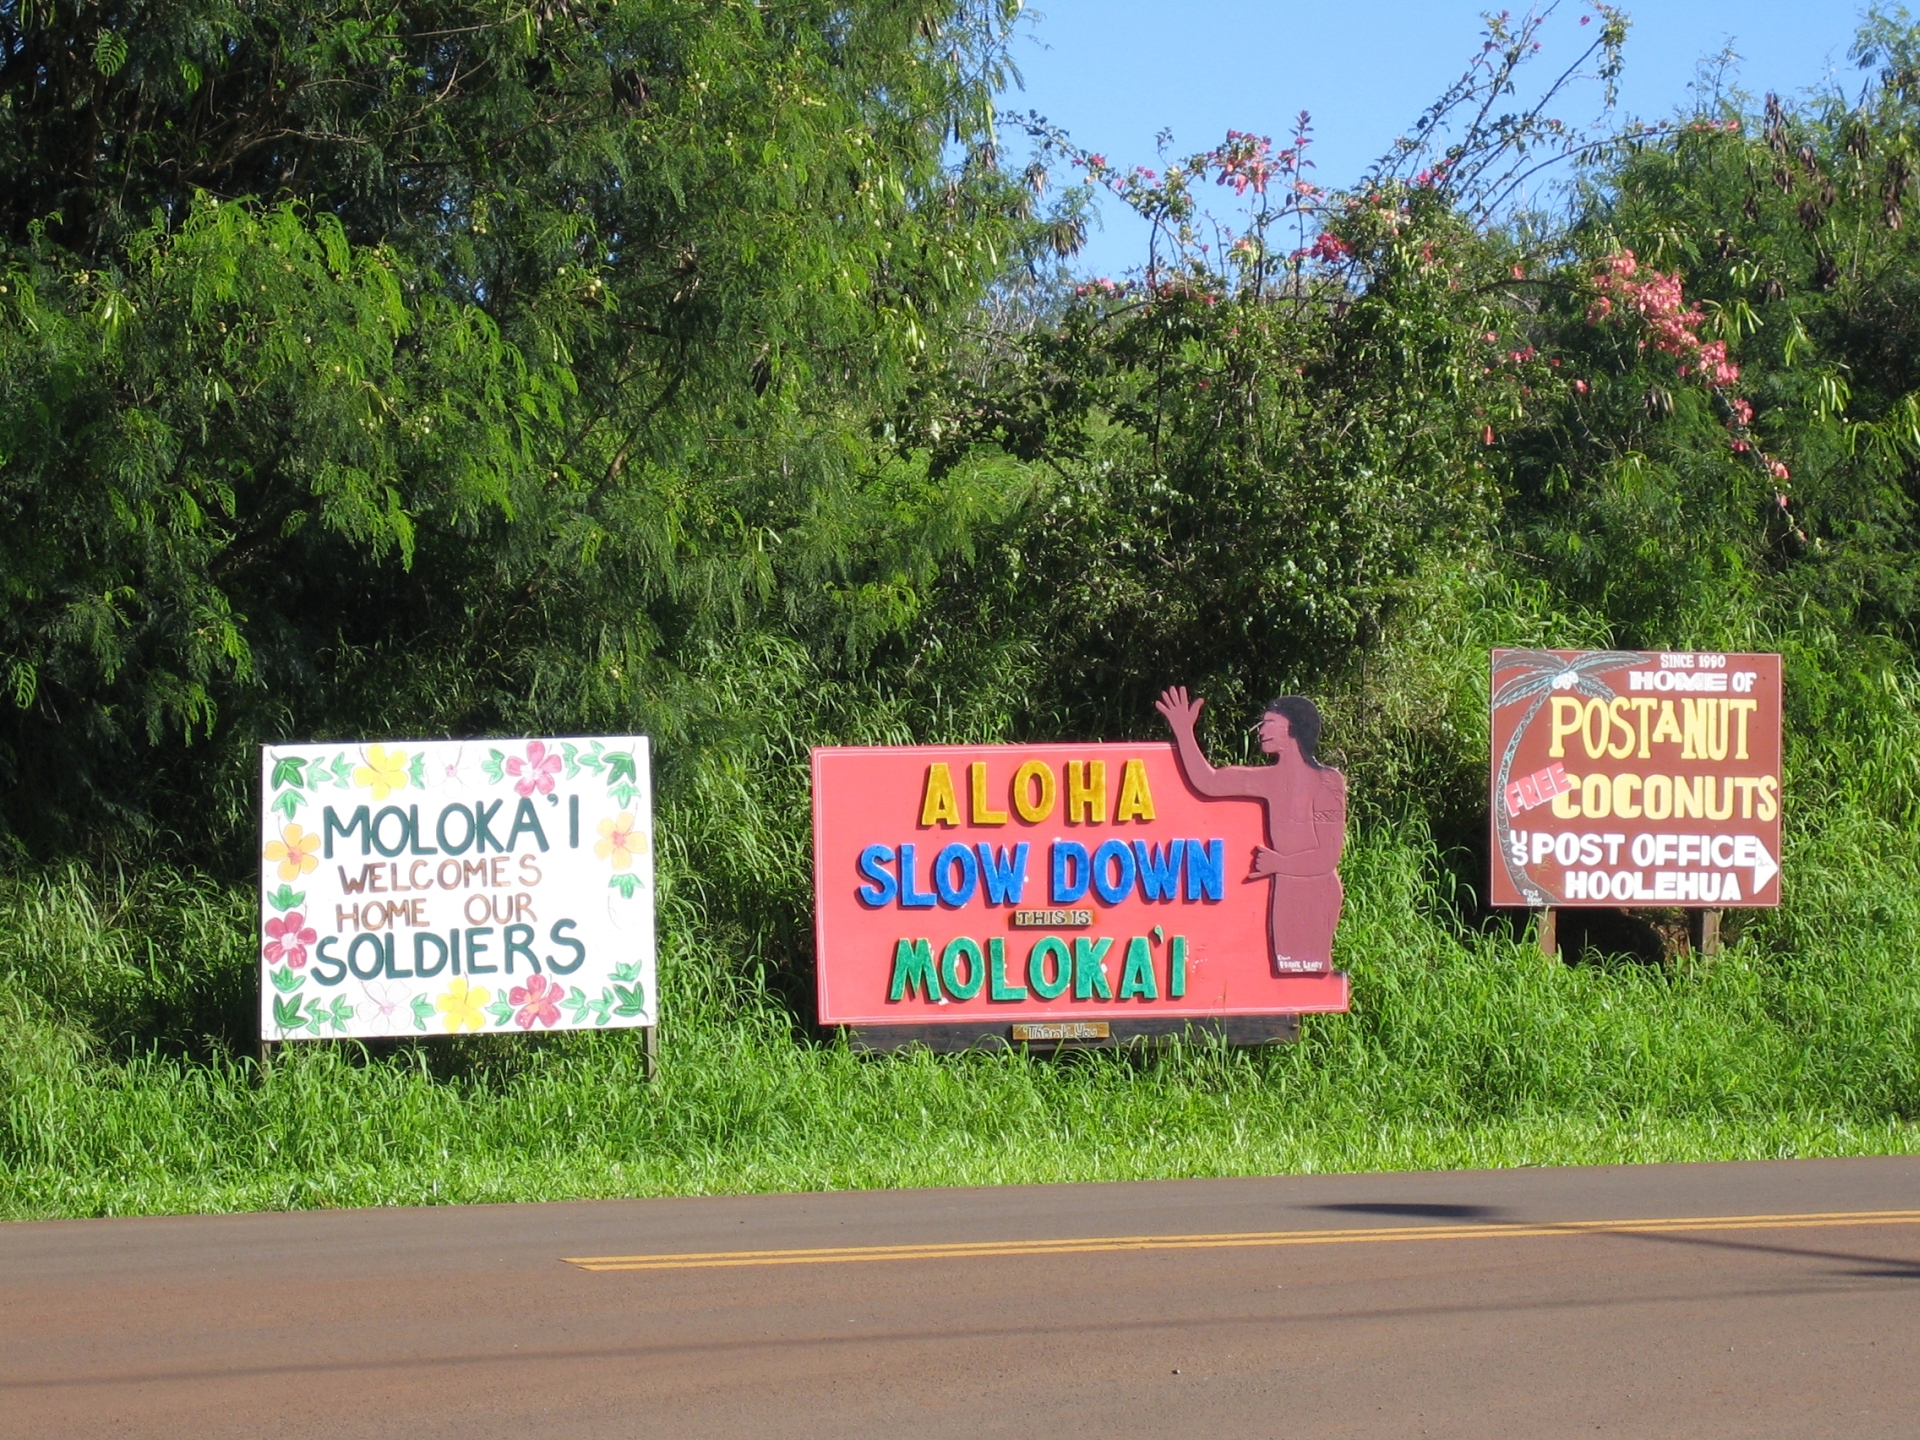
pixel 1051 919
pixel 1062 1030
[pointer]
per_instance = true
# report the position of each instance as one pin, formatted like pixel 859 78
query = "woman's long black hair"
pixel 1303 719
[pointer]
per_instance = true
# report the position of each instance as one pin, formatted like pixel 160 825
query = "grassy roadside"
pixel 1465 1049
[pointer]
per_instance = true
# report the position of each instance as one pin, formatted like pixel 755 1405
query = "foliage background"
pixel 396 369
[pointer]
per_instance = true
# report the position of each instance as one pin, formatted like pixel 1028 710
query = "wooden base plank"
pixel 1121 1034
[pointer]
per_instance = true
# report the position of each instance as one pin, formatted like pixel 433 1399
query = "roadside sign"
pixel 1629 777
pixel 1049 888
pixel 456 887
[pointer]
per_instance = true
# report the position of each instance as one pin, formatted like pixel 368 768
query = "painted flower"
pixel 620 840
pixel 537 1001
pixel 462 1006
pixel 297 851
pixel 536 772
pixel 385 771
pixel 287 939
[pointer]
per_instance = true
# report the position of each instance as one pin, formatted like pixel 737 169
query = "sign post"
pixel 1627 777
pixel 456 887
pixel 1077 894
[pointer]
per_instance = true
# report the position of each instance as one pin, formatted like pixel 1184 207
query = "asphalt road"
pixel 1775 1300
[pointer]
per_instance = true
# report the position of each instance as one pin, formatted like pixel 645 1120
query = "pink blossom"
pixel 1580 387
pixel 536 772
pixel 1779 471
pixel 1672 325
pixel 537 1001
pixel 287 939
pixel 1246 162
pixel 1330 248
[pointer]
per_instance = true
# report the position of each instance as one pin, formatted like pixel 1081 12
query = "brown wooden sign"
pixel 1629 777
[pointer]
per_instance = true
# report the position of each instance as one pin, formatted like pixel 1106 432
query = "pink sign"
pixel 1007 883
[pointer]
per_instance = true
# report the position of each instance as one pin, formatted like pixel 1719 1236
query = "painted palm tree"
pixel 1533 675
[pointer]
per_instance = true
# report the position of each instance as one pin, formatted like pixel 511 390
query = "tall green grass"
pixel 127 1082
pixel 1465 1048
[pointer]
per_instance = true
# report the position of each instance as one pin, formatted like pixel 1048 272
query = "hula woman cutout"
pixel 1306 805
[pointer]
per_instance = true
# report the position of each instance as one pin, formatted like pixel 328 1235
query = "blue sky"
pixel 1115 72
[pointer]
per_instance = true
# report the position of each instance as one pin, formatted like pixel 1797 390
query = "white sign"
pixel 456 886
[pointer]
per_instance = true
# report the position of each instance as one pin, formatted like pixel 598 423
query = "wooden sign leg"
pixel 1546 928
pixel 651 1048
pixel 1709 932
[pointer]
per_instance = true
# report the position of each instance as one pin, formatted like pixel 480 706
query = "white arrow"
pixel 1747 850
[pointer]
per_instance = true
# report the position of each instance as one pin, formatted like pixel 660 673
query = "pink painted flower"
pixel 536 772
pixel 287 939
pixel 536 1002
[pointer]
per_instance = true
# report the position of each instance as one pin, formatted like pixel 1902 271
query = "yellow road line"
pixel 1108 1244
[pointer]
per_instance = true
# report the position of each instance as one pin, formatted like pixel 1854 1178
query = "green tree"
pixel 450 366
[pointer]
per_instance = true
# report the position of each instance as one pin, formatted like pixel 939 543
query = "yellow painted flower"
pixel 461 1006
pixel 620 841
pixel 385 771
pixel 297 851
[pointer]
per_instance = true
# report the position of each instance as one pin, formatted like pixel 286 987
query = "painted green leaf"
pixel 286 897
pixel 623 795
pixel 570 753
pixel 417 770
pixel 501 1012
pixel 341 1012
pixel 288 770
pixel 422 1011
pixel 342 771
pixel 627 970
pixel 286 979
pixel 602 1008
pixel 494 766
pixel 633 1000
pixel 286 1013
pixel 625 884
pixel 287 801
pixel 620 766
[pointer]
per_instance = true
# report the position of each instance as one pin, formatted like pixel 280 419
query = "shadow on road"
pixel 1425 1212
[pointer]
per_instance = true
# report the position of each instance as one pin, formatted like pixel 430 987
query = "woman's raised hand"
pixel 1179 710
